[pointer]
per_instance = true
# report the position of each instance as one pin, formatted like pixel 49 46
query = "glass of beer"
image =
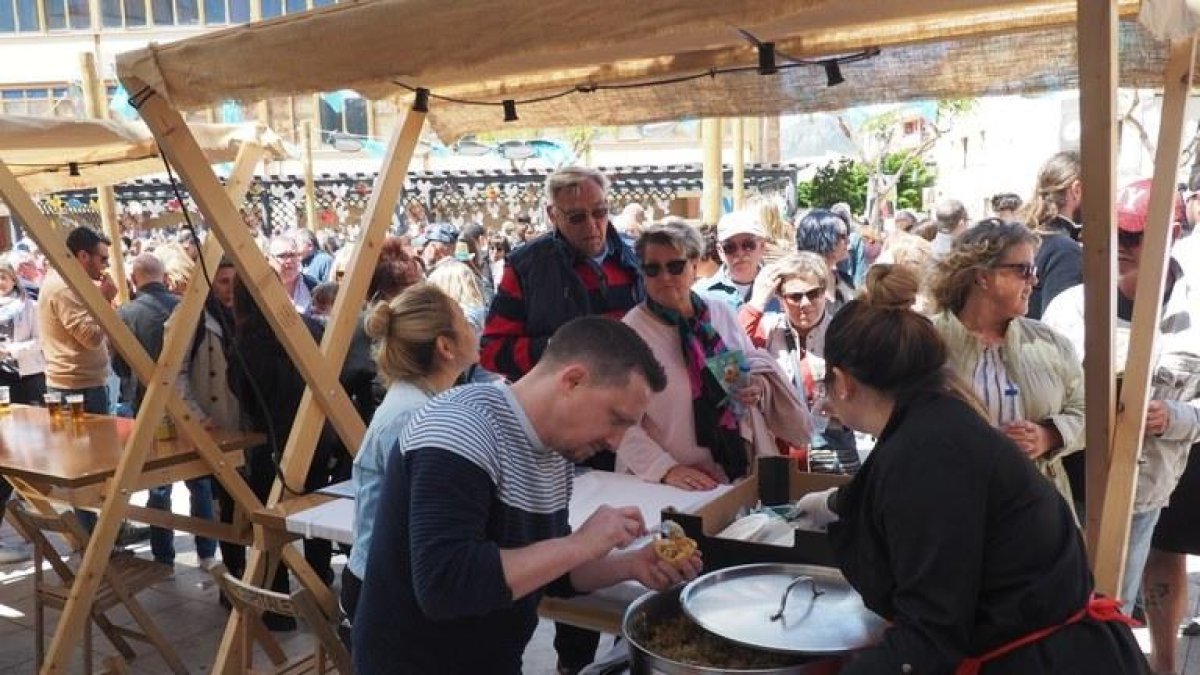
pixel 53 401
pixel 75 405
pixel 5 399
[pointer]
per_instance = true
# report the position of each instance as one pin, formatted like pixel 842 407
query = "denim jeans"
pixel 95 401
pixel 162 540
pixel 1141 531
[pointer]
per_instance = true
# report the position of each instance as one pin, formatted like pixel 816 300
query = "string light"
pixel 767 65
pixel 833 74
pixel 766 59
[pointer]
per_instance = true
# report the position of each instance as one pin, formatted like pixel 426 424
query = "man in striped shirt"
pixel 473 522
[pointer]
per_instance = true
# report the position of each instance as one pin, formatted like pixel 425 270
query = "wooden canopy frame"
pixel 1097 21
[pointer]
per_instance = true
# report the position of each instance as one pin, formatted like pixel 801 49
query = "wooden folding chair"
pixel 125 577
pixel 252 601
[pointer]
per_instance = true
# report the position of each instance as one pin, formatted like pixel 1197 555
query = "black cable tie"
pixel 141 97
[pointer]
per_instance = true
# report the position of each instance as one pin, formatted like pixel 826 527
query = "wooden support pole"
pixel 739 162
pixel 161 395
pixel 710 136
pixel 188 159
pixel 310 188
pixel 1097 30
pixel 1128 436
pixel 95 101
pixel 298 454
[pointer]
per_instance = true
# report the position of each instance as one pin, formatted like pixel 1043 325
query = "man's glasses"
pixel 674 267
pixel 287 255
pixel 731 247
pixel 1023 270
pixel 579 217
pixel 813 295
pixel 1129 239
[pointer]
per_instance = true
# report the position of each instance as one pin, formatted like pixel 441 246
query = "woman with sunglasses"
pixel 796 338
pixel 694 434
pixel 1026 374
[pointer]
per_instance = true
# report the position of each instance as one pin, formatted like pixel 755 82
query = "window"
pixel 67 14
pixel 55 101
pixel 271 8
pixel 343 112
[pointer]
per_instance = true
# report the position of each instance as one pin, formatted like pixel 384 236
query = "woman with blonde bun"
pixel 423 343
pixel 947 531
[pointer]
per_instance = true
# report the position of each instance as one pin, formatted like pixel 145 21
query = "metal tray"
pixel 738 603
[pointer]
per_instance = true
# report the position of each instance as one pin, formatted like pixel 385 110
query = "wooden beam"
pixel 310 188
pixel 1147 314
pixel 95 101
pixel 188 159
pixel 1097 29
pixel 162 394
pixel 739 162
pixel 297 455
pixel 710 137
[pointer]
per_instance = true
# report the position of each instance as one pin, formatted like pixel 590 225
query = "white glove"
pixel 813 513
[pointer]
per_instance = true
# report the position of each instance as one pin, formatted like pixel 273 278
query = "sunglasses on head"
pixel 674 267
pixel 1023 270
pixel 579 217
pixel 813 295
pixel 1129 239
pixel 731 247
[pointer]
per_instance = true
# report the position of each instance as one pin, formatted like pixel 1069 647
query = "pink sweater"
pixel 667 434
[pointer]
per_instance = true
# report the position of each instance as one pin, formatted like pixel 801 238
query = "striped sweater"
pixel 471 478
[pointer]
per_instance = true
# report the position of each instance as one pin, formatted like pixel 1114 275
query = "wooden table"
pixel 71 461
pixel 331 517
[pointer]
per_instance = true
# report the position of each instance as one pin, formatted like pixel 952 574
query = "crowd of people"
pixel 491 365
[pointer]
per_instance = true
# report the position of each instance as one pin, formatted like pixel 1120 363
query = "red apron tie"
pixel 1098 608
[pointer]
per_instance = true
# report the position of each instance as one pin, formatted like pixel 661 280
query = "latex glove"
pixel 816 514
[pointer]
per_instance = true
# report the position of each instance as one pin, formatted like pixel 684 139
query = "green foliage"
pixel 841 181
pixel 846 180
pixel 916 177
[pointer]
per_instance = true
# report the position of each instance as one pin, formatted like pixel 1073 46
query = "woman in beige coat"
pixel 1027 376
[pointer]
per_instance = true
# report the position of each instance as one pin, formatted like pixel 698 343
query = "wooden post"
pixel 298 453
pixel 1097 30
pixel 1147 313
pixel 310 188
pixel 710 135
pixel 161 395
pixel 95 99
pixel 188 159
pixel 739 162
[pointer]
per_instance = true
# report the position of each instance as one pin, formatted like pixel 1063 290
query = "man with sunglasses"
pixel 581 268
pixel 742 242
pixel 1172 423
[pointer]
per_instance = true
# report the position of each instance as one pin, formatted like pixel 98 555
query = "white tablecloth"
pixel 334 520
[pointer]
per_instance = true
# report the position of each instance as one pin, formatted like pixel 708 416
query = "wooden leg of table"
pixel 118 642
pixel 153 634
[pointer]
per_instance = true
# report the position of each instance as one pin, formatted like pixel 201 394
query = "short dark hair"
pixel 85 239
pixel 610 349
pixel 819 230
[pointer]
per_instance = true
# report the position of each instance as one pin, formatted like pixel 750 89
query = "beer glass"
pixel 5 399
pixel 53 401
pixel 75 405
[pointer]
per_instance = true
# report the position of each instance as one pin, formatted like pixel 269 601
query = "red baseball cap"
pixel 1133 205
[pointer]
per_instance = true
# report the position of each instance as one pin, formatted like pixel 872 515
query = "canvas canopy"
pixel 490 50
pixel 39 150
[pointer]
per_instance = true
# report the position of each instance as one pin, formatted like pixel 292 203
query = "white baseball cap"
pixel 739 222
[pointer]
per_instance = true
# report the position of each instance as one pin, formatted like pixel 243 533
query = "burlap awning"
pixel 490 50
pixel 40 150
